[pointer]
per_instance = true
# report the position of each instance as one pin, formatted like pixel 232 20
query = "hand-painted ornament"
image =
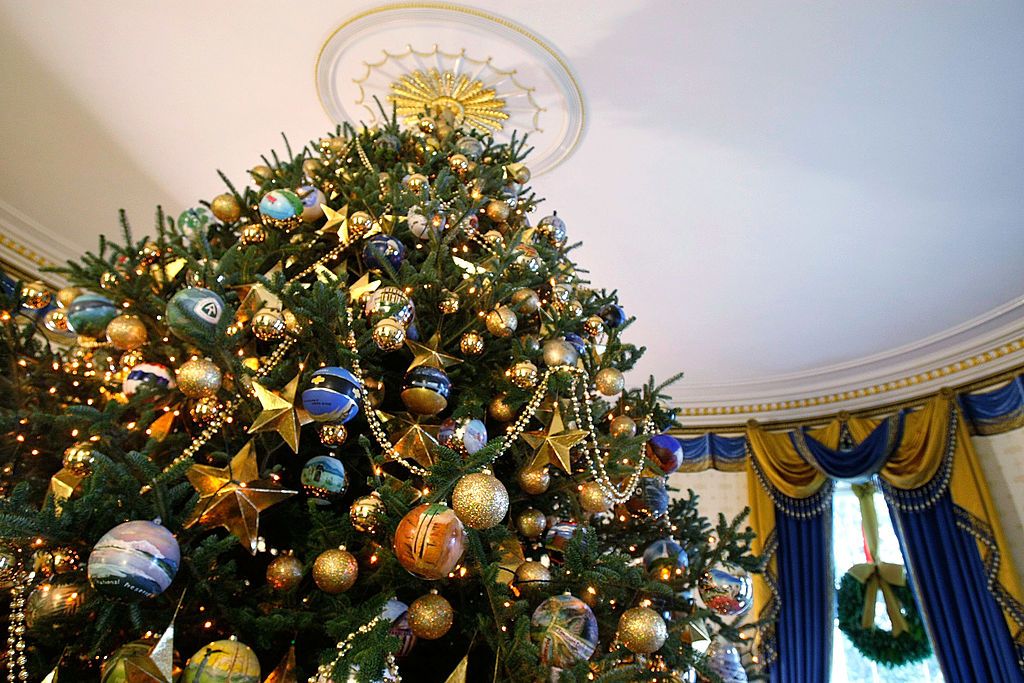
pixel 381 249
pixel 531 523
pixel 152 376
pixel 534 481
pixel 552 229
pixel 666 561
pixel 471 343
pixel 524 374
pixel 223 661
pixel 531 578
pixel 397 613
pixel 195 314
pixel 425 390
pixel 285 572
pixel 429 541
pixel 332 435
pixel 557 537
pixel 651 498
pixel 593 499
pixel 613 316
pixel 89 314
pixel 501 322
pixel 333 395
pixel 558 353
pixel 430 616
pixel 525 301
pixel 565 630
pixel 723 659
pixel 666 451
pixel 136 559
pixel 622 427
pixel 79 457
pixel 464 435
pixel 609 381
pixel 367 513
pixel 324 478
pixel 281 209
pixel 53 603
pixel 389 335
pixel 312 199
pixel 268 324
pixel 35 295
pixel 726 590
pixel 335 571
pixel 131 662
pixel 642 630
pixel 195 219
pixel 199 378
pixel 480 500
pixel 471 147
pixel 390 302
pixel 226 208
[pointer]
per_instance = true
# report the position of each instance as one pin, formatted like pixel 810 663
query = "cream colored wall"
pixel 1002 460
pixel 724 492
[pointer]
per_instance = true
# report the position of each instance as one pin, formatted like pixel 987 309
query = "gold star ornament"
pixel 416 441
pixel 279 413
pixel 552 447
pixel 234 496
pixel 428 354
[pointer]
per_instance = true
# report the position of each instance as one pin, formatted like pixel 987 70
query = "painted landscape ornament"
pixel 137 559
pixel 429 541
pixel 89 314
pixel 223 661
pixel 565 630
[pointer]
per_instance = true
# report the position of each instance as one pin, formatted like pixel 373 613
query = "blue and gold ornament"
pixel 381 249
pixel 565 630
pixel 666 451
pixel 149 375
pixel 557 537
pixel 89 314
pixel 324 477
pixel 195 315
pixel 281 209
pixel 312 199
pixel 465 435
pixel 333 395
pixel 137 559
pixel 650 499
pixel 425 390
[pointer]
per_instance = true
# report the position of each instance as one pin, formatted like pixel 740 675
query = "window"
pixel 848 665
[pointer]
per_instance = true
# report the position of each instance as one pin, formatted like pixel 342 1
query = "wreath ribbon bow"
pixel 877 576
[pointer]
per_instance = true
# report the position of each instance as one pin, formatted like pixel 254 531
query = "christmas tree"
pixel 363 420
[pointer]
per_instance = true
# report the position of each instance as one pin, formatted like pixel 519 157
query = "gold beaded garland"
pixel 226 208
pixel 480 500
pixel 609 381
pixel 531 578
pixel 284 572
pixel 622 427
pixel 642 630
pixel 501 322
pixel 592 498
pixel 531 523
pixel 430 616
pixel 471 343
pixel 534 481
pixel 199 378
pixel 523 374
pixel 388 335
pixel 127 332
pixel 335 570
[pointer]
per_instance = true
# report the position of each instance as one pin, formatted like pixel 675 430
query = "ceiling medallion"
pixel 489 73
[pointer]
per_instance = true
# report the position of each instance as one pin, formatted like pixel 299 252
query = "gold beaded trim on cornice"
pixel 873 390
pixel 23 251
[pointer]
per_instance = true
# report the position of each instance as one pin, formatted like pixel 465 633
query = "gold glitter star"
pixel 427 354
pixel 552 446
pixel 234 496
pixel 279 413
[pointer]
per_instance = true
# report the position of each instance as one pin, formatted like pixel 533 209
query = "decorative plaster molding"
pixel 29 246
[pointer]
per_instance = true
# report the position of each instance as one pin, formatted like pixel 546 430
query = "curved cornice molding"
pixel 29 246
pixel 974 350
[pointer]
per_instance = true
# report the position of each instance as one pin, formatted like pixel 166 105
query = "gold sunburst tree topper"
pixel 468 100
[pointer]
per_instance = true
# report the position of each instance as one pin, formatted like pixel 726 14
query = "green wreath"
pixel 877 644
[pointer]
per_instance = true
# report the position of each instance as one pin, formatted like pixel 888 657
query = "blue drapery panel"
pixel 857 464
pixel 996 411
pixel 707 451
pixel 973 644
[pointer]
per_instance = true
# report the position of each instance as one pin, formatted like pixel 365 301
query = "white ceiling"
pixel 775 188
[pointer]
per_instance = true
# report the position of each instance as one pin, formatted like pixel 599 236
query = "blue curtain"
pixel 857 464
pixel 724 453
pixel 995 411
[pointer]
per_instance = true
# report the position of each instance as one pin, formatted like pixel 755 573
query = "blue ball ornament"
pixel 324 477
pixel 666 561
pixel 89 314
pixel 576 341
pixel 333 395
pixel 613 316
pixel 651 498
pixel 136 559
pixel 666 451
pixel 195 315
pixel 425 390
pixel 381 249
pixel 148 375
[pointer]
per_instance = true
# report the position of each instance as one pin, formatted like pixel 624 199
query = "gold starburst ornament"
pixel 467 100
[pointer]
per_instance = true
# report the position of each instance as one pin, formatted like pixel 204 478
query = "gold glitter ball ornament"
pixel 226 208
pixel 531 578
pixel 66 295
pixel 367 513
pixel 524 374
pixel 609 381
pixel 79 458
pixel 534 481
pixel 642 630
pixel 252 233
pixel 449 302
pixel 471 344
pixel 205 410
pixel 199 378
pixel 501 322
pixel 592 498
pixel 285 572
pixel 480 500
pixel 127 332
pixel 622 427
pixel 497 210
pixel 35 295
pixel 268 324
pixel 388 335
pixel 430 616
pixel 261 173
pixel 594 325
pixel 526 301
pixel 531 523
pixel 332 434
pixel 500 410
pixel 335 570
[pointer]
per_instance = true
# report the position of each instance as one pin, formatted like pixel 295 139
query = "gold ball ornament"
pixel 150 253
pixel 261 173
pixel 252 233
pixel 205 410
pixel 388 335
pixel 285 572
pixel 459 163
pixel 66 295
pixel 609 381
pixel 79 458
pixel 531 578
pixel 531 523
pixel 471 344
pixel 56 320
pixel 430 616
pixel 500 410
pixel 449 302
pixel 359 224
pixel 333 434
pixel 268 324
pixel 573 309
pixel 426 125
pixel 517 173
pixel 416 183
pixel 593 326
pixel 642 630
pixel 592 498
pixel 199 378
pixel 526 301
pixel 534 481
pixel 127 332
pixel 312 167
pixel 367 513
pixel 480 500
pixel 622 427
pixel 335 570
pixel 35 295
pixel 226 208
pixel 558 353
pixel 501 322
pixel 524 374
pixel 498 210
